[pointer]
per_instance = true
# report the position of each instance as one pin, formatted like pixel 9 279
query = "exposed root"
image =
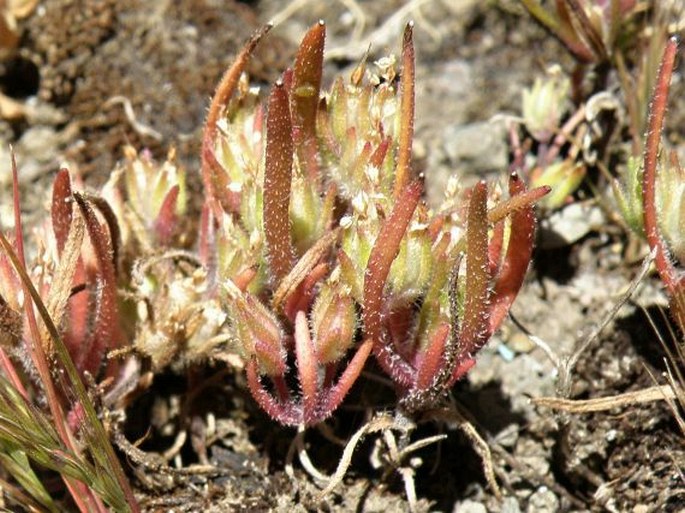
pixel 378 423
pixel 297 445
pixel 455 417
pixel 392 455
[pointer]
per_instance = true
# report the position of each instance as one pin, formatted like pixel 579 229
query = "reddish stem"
pixel 657 114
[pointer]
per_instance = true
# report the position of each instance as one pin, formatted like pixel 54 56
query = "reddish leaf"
pixel 473 333
pixel 384 251
pixel 380 152
pixel 519 252
pixel 495 248
pixel 61 210
pixel 433 358
pixel 406 135
pixel 167 220
pixel 277 184
pixel 106 330
pixel 222 96
pixel 352 371
pixel 305 92
pixel 306 366
pixel 514 203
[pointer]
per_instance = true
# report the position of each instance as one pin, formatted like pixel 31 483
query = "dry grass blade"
pixel 60 290
pixel 647 395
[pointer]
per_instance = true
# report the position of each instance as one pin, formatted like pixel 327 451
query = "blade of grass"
pixel 100 447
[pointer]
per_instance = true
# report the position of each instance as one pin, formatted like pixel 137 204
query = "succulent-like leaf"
pixel 277 184
pixel 407 108
pixel 222 96
pixel 305 91
pixel 473 333
pixel 516 260
pixel 61 212
pixel 167 219
pixel 384 251
pixel 433 358
pixel 106 330
pixel 306 366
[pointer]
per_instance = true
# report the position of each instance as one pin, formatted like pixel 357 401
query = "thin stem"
pixel 657 114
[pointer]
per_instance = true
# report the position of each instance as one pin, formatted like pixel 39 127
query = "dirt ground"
pixel 78 65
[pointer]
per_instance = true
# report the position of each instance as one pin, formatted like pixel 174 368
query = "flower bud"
pixel 334 323
pixel 256 329
pixel 544 104
pixel 564 177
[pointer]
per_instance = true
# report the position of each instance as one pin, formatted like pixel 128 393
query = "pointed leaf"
pixel 307 367
pixel 384 251
pixel 406 135
pixel 305 92
pixel 167 220
pixel 352 371
pixel 106 330
pixel 61 210
pixel 519 252
pixel 222 96
pixel 473 331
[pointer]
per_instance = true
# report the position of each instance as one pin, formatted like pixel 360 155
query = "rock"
pixel 469 506
pixel 543 501
pixel 570 224
pixel 477 147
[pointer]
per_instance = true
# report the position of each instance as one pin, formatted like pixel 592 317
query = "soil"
pixel 473 60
